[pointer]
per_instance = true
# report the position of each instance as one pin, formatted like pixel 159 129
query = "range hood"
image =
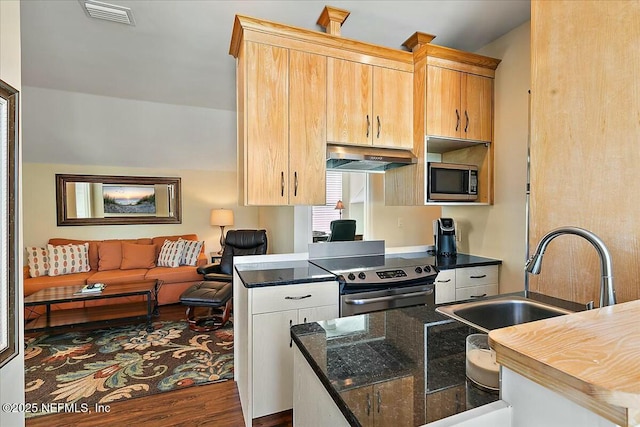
pixel 352 158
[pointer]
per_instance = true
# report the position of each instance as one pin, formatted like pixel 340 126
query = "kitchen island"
pixel 400 367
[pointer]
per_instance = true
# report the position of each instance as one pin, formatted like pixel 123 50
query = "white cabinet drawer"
pixel 292 297
pixel 475 276
pixel 446 276
pixel 476 291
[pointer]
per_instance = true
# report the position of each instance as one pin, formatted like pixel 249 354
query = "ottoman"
pixel 215 297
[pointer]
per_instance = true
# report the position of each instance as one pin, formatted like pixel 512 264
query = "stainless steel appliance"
pixel 452 182
pixel 444 234
pixel 372 281
pixel 350 158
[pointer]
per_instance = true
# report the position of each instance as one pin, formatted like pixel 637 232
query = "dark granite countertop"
pixel 292 272
pixel 281 273
pixel 381 347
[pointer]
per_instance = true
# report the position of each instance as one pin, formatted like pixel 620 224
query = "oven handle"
pixel 361 301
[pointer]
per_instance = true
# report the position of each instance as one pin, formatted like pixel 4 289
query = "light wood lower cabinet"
pixel 274 310
pixel 380 405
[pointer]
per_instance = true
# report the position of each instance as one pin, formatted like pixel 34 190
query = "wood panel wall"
pixel 585 142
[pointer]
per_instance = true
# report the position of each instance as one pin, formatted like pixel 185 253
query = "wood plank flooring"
pixel 206 405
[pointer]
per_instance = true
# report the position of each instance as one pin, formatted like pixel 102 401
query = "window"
pixel 323 215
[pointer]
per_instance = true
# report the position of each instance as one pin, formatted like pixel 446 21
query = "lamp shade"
pixel 222 217
pixel 339 205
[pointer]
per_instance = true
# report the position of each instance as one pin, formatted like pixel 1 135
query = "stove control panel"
pixel 391 275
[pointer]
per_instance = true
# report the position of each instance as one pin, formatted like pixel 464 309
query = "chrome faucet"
pixel 607 291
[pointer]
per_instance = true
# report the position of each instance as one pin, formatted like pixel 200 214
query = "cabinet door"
pixel 360 401
pixel 392 108
pixel 477 107
pixel 445 286
pixel 349 106
pixel 307 128
pixel 272 362
pixel 390 403
pixel 444 117
pixel 267 113
pixel 315 314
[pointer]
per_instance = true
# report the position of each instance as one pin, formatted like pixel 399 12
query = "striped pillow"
pixel 68 259
pixel 38 260
pixel 191 252
pixel 171 253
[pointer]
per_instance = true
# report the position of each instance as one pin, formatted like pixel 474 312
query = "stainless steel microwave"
pixel 452 182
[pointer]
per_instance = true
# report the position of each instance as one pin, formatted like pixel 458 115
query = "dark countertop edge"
pixel 351 419
pixel 470 264
pixel 290 281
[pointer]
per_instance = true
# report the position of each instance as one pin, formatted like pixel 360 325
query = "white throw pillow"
pixel 171 253
pixel 68 259
pixel 191 252
pixel 38 260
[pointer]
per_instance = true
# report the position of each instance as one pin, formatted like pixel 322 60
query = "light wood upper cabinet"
pixel 392 108
pixel 349 102
pixel 459 104
pixel 307 128
pixel 284 126
pixel 369 105
pixel 267 125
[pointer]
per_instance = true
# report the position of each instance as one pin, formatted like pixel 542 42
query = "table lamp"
pixel 340 206
pixel 222 218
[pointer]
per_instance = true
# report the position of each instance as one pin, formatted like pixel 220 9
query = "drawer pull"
pixel 478 296
pixel 478 277
pixel 443 281
pixel 298 298
pixel 290 336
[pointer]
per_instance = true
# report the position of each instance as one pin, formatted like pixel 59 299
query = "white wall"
pixel 78 128
pixel 12 374
pixel 498 231
pixel 202 190
pixel 397 225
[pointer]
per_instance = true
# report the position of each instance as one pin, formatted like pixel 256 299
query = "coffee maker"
pixel 444 233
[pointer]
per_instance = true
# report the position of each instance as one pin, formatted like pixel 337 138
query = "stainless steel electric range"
pixel 372 281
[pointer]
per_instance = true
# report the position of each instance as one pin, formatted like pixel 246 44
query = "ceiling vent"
pixel 108 12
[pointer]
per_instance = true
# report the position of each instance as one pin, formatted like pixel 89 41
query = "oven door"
pixel 376 300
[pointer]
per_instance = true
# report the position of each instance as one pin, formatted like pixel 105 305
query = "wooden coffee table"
pixel 102 313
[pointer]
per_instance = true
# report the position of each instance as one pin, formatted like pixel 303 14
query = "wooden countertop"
pixel 591 357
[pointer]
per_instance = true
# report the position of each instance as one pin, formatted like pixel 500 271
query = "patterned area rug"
pixel 107 365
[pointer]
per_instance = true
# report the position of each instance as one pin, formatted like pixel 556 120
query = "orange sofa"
pixel 173 281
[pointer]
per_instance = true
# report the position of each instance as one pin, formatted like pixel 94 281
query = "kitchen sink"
pixel 496 313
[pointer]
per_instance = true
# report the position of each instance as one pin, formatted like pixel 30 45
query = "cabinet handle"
pixel 478 296
pixel 467 116
pixel 305 320
pixel 379 401
pixel 290 337
pixel 443 281
pixel 368 125
pixel 457 119
pixel 295 185
pixel 282 184
pixel 478 277
pixel 368 404
pixel 297 298
pixel 379 126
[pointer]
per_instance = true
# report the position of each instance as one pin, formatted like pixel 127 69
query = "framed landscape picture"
pixel 10 269
pixel 129 199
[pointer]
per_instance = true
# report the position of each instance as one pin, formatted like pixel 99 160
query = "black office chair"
pixel 342 230
pixel 216 290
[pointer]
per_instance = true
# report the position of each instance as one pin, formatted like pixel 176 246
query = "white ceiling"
pixel 177 53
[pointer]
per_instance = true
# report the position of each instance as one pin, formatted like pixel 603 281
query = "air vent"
pixel 108 12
